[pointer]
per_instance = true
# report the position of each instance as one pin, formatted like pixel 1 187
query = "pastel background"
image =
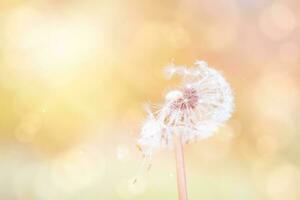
pixel 75 74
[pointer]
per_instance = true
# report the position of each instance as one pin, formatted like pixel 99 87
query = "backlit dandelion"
pixel 194 110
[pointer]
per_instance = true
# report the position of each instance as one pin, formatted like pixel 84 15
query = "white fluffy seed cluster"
pixel 195 109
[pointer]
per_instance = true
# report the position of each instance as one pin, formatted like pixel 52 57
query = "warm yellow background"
pixel 75 74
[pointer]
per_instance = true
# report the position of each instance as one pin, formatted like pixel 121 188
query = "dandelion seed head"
pixel 188 100
pixel 195 109
pixel 173 95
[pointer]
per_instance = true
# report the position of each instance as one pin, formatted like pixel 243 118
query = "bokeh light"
pixel 75 76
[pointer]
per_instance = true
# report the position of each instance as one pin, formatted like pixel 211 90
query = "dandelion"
pixel 192 111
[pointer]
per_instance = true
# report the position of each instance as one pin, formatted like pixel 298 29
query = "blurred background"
pixel 74 77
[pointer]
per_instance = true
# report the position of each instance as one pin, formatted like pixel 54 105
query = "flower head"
pixel 195 109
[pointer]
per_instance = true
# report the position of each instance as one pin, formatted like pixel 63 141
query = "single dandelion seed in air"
pixel 193 110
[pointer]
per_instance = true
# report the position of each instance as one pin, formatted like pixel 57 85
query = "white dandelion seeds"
pixel 195 109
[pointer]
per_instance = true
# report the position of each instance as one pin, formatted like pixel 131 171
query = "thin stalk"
pixel 180 168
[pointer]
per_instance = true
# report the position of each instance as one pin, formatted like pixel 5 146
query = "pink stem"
pixel 180 167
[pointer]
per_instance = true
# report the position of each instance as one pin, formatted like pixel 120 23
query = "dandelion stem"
pixel 180 167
